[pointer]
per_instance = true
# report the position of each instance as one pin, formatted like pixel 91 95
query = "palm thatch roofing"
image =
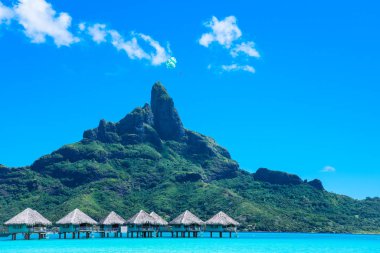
pixel 77 217
pixel 141 218
pixel 186 218
pixel 29 217
pixel 223 219
pixel 113 219
pixel 158 219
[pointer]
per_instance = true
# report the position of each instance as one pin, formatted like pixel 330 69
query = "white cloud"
pixel 328 169
pixel 40 20
pixel 131 47
pixel 82 26
pixel 135 51
pixel 6 14
pixel 160 56
pixel 236 67
pixel 224 32
pixel 206 39
pixel 98 33
pixel 227 34
pixel 247 48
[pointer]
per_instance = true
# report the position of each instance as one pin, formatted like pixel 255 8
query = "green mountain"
pixel 148 160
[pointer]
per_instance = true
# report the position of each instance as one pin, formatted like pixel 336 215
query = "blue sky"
pixel 311 104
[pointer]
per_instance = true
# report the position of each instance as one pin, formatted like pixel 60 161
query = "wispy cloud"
pixel 228 35
pixel 160 55
pixel 98 32
pixel 235 67
pixel 131 47
pixel 247 48
pixel 40 21
pixel 328 169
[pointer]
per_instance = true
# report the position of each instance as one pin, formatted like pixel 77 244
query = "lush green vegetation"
pixel 126 167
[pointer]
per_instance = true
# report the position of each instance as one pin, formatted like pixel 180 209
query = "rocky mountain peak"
pixel 166 118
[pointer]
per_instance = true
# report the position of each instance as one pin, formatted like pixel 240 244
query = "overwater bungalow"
pixel 28 222
pixel 161 225
pixel 221 223
pixel 188 223
pixel 112 223
pixel 76 222
pixel 141 224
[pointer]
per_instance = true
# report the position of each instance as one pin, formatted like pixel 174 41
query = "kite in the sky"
pixel 171 63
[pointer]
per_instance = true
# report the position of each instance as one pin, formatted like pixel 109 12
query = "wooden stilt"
pixel 220 234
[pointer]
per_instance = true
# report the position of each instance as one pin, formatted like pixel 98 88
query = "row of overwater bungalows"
pixel 77 223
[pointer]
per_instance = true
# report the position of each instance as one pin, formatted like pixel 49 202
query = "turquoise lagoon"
pixel 246 242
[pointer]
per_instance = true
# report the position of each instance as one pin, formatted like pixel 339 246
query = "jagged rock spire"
pixel 154 123
pixel 166 119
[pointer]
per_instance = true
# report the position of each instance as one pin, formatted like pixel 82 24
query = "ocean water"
pixel 246 242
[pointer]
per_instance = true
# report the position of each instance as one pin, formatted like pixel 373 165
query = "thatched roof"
pixel 28 217
pixel 186 218
pixel 158 219
pixel 113 219
pixel 222 219
pixel 141 218
pixel 77 217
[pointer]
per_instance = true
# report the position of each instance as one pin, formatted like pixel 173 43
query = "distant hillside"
pixel 148 160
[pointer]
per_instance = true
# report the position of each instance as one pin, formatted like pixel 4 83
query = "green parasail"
pixel 171 63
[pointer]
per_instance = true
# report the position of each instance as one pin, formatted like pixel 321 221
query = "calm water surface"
pixel 247 242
